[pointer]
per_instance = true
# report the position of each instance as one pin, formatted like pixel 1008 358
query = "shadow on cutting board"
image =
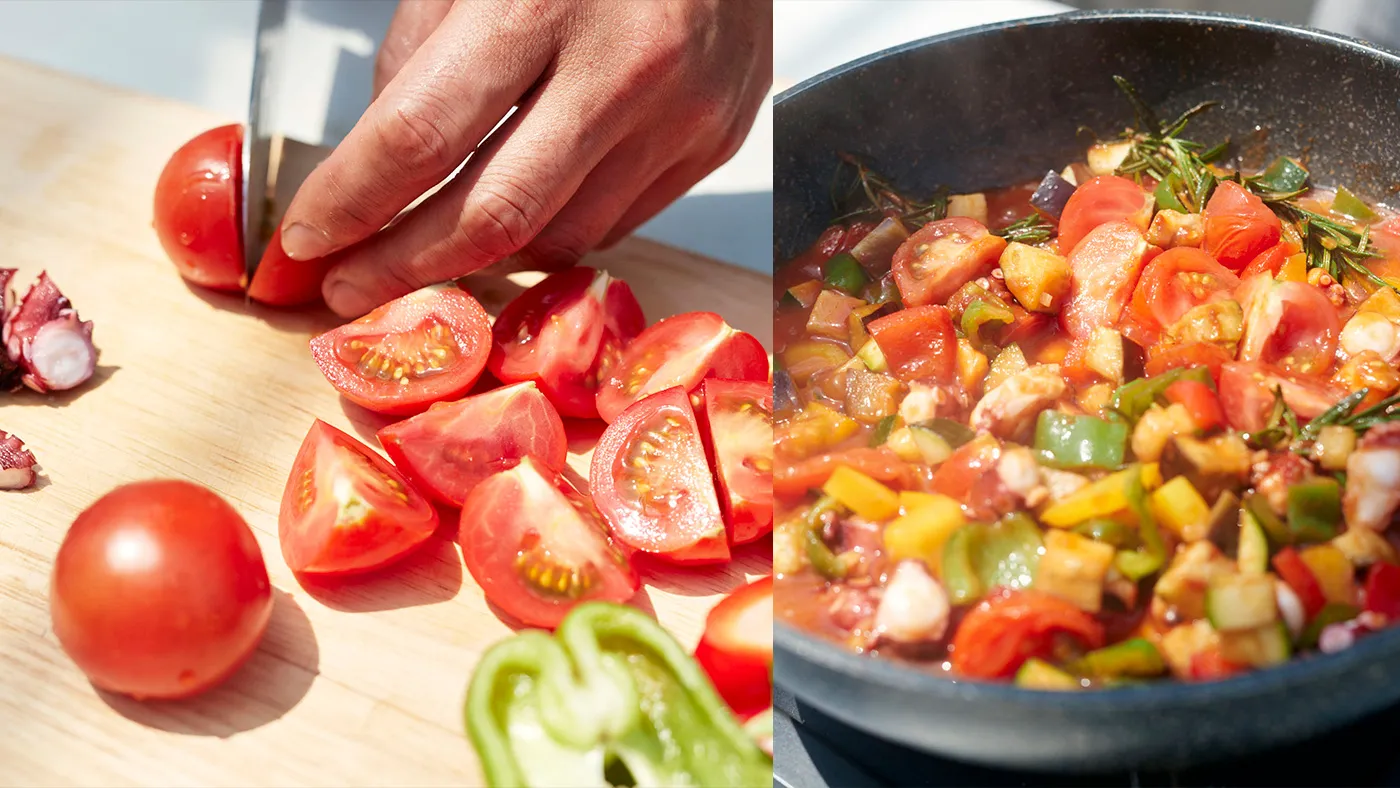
pixel 432 574
pixel 269 684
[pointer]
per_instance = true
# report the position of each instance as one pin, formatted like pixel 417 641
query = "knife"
pixel 259 164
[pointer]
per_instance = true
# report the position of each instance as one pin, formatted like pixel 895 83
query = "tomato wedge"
pixel 425 347
pixel 1175 281
pixel 281 281
pixel 1270 260
pixel 652 483
pixel 737 648
pixel 942 256
pixel 737 417
pixel 565 333
pixel 537 547
pixel 882 464
pixel 1195 354
pixel 1290 324
pixel 197 209
pixel 917 342
pixel 1199 400
pixel 454 446
pixel 346 509
pixel 680 350
pixel 1238 226
pixel 1010 626
pixel 1104 269
pixel 1247 394
pixel 1098 201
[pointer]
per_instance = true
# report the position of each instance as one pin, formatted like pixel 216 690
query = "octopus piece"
pixel 9 369
pixel 16 463
pixel 1274 475
pixel 46 339
pixel 1373 479
pixel 1016 401
pixel 914 607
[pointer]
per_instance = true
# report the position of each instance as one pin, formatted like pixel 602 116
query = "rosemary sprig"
pixel 1330 245
pixel 880 196
pixel 1029 229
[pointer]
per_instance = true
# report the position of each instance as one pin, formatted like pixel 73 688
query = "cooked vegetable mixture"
pixel 1137 420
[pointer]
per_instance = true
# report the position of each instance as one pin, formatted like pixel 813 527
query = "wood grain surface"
pixel 357 683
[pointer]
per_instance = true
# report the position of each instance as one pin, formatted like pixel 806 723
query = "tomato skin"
pixel 736 421
pixel 792 480
pixel 942 256
pixel 1383 590
pixel 159 590
pixel 1290 324
pixel 918 343
pixel 406 320
pixel 1199 400
pixel 1246 394
pixel 281 281
pixel 1104 267
pixel 680 350
pixel 530 511
pixel 736 649
pixel 1107 198
pixel 1299 577
pixel 1270 260
pixel 1209 665
pixel 1175 281
pixel 196 209
pixel 1010 626
pixel 1238 226
pixel 346 510
pixel 677 478
pixel 1196 354
pixel 452 447
pixel 565 333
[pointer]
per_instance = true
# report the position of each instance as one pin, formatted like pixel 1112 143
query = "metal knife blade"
pixel 258 174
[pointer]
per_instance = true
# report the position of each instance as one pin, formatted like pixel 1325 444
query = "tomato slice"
pixel 565 333
pixel 1199 400
pixel 680 350
pixel 1098 201
pixel 346 509
pixel 651 481
pixel 1247 394
pixel 1270 260
pixel 1104 269
pixel 736 649
pixel 1195 354
pixel 281 281
pixel 797 479
pixel 425 347
pixel 737 417
pixel 942 256
pixel 454 446
pixel 1238 226
pixel 1011 626
pixel 1290 324
pixel 1175 281
pixel 918 342
pixel 197 209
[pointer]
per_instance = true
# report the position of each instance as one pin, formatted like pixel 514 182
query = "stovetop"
pixel 816 751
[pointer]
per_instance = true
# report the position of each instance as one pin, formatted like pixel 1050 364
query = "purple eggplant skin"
pixel 1051 195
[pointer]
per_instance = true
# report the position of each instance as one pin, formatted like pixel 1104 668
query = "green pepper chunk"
pixel 1137 564
pixel 980 313
pixel 1348 204
pixel 1102 529
pixel 1314 509
pixel 1331 613
pixel 1068 441
pixel 1166 194
pixel 843 272
pixel 954 432
pixel 1276 529
pixel 1284 175
pixel 979 557
pixel 1133 657
pixel 883 428
pixel 610 688
pixel 1132 399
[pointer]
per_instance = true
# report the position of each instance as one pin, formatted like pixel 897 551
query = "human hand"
pixel 622 107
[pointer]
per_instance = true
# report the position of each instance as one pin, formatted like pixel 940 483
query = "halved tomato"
pixel 426 347
pixel 1098 201
pixel 1239 226
pixel 1290 324
pixel 680 350
pixel 1175 281
pixel 738 428
pixel 1105 267
pixel 917 342
pixel 197 208
pixel 1247 394
pixel 281 281
pixel 537 547
pixel 565 333
pixel 942 256
pixel 454 446
pixel 653 485
pixel 346 509
pixel 737 648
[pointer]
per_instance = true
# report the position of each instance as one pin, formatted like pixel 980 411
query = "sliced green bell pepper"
pixel 954 432
pixel 1284 175
pixel 1348 204
pixel 823 559
pixel 1166 194
pixel 1067 441
pixel 1314 509
pixel 1133 657
pixel 843 272
pixel 609 690
pixel 1276 529
pixel 982 312
pixel 979 557
pixel 1139 563
pixel 1132 399
pixel 882 431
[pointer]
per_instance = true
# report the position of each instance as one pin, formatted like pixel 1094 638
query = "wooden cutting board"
pixel 359 683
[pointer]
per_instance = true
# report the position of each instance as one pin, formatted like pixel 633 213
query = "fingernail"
pixel 304 242
pixel 344 298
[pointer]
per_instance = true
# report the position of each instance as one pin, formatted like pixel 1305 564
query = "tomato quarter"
pixel 452 447
pixel 537 548
pixel 652 483
pixel 1175 281
pixel 1105 267
pixel 346 509
pixel 737 648
pixel 1290 324
pixel 917 342
pixel 1098 201
pixel 1239 226
pixel 197 209
pixel 738 427
pixel 942 256
pixel 159 590
pixel 1247 394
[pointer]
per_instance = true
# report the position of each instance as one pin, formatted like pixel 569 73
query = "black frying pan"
pixel 1000 104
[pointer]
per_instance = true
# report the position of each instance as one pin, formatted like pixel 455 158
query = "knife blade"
pixel 259 164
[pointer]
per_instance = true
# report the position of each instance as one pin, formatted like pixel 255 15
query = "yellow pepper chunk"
pixel 923 529
pixel 1334 572
pixel 1102 498
pixel 1178 506
pixel 910 500
pixel 1294 269
pixel 862 494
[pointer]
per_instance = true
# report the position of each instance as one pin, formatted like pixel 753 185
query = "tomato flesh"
pixel 1174 282
pixel 737 418
pixel 537 548
pixel 452 447
pixel 1199 400
pixel 1098 201
pixel 566 333
pixel 798 478
pixel 1104 269
pixel 159 590
pixel 1290 324
pixel 652 483
pixel 1195 354
pixel 736 649
pixel 346 509
pixel 917 342
pixel 197 209
pixel 1247 394
pixel 942 256
pixel 680 350
pixel 1010 626
pixel 281 281
pixel 428 346
pixel 1238 226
